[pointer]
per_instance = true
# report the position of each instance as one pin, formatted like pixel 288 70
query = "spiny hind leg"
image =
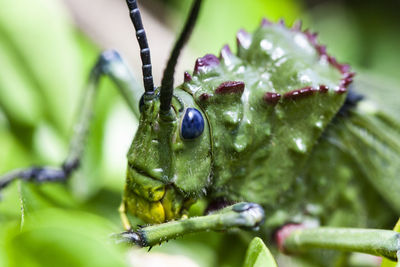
pixel 109 64
pixel 291 238
pixel 244 215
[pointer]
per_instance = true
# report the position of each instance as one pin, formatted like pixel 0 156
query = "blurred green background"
pixel 45 57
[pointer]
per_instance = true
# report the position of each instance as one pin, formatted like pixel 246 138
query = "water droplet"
pixel 277 53
pixel 302 42
pixel 319 125
pixel 204 191
pixel 266 45
pixel 158 170
pixel 240 143
pixel 231 117
pixel 241 69
pixel 300 145
pixel 304 78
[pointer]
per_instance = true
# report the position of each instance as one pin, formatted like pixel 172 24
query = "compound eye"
pixel 192 125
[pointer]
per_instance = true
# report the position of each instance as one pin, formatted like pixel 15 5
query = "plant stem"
pixel 384 243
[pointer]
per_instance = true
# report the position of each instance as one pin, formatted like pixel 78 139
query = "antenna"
pixel 167 83
pixel 144 47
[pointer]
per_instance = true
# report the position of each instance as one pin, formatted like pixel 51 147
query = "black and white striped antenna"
pixel 144 46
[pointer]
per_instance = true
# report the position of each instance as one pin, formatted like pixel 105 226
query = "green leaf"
pixel 389 263
pixel 236 14
pixel 41 45
pixel 258 255
pixel 56 237
pixel 35 197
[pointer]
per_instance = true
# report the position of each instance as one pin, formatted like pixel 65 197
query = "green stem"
pixel 384 243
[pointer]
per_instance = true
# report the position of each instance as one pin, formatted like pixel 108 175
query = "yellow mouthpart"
pixel 169 207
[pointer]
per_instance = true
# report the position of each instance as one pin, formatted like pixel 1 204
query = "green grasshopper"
pixel 273 139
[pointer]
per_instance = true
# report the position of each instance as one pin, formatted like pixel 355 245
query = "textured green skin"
pixel 251 150
pixel 259 154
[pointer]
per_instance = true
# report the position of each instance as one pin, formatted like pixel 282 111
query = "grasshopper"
pixel 274 138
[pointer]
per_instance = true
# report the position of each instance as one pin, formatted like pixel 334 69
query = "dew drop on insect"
pixel 231 117
pixel 302 42
pixel 299 145
pixel 304 78
pixel 266 45
pixel 319 125
pixel 158 170
pixel 241 69
pixel 240 143
pixel 277 53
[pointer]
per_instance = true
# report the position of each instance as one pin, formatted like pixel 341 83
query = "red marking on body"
pixel 297 25
pixel 230 87
pixel 348 75
pixel 300 93
pixel 346 81
pixel 204 97
pixel 284 232
pixel 243 39
pixel 341 90
pixel 333 61
pixel 344 68
pixel 312 37
pixel 272 98
pixel 321 49
pixel 205 63
pixel 187 77
pixel 265 22
pixel 323 88
pixel 341 67
pixel 225 52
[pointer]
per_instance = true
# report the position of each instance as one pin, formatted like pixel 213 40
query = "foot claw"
pixel 130 237
pixel 253 215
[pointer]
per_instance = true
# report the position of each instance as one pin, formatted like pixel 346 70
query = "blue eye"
pixel 192 125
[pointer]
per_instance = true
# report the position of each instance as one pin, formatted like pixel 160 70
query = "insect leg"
pixel 109 64
pixel 124 218
pixel 385 243
pixel 244 215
